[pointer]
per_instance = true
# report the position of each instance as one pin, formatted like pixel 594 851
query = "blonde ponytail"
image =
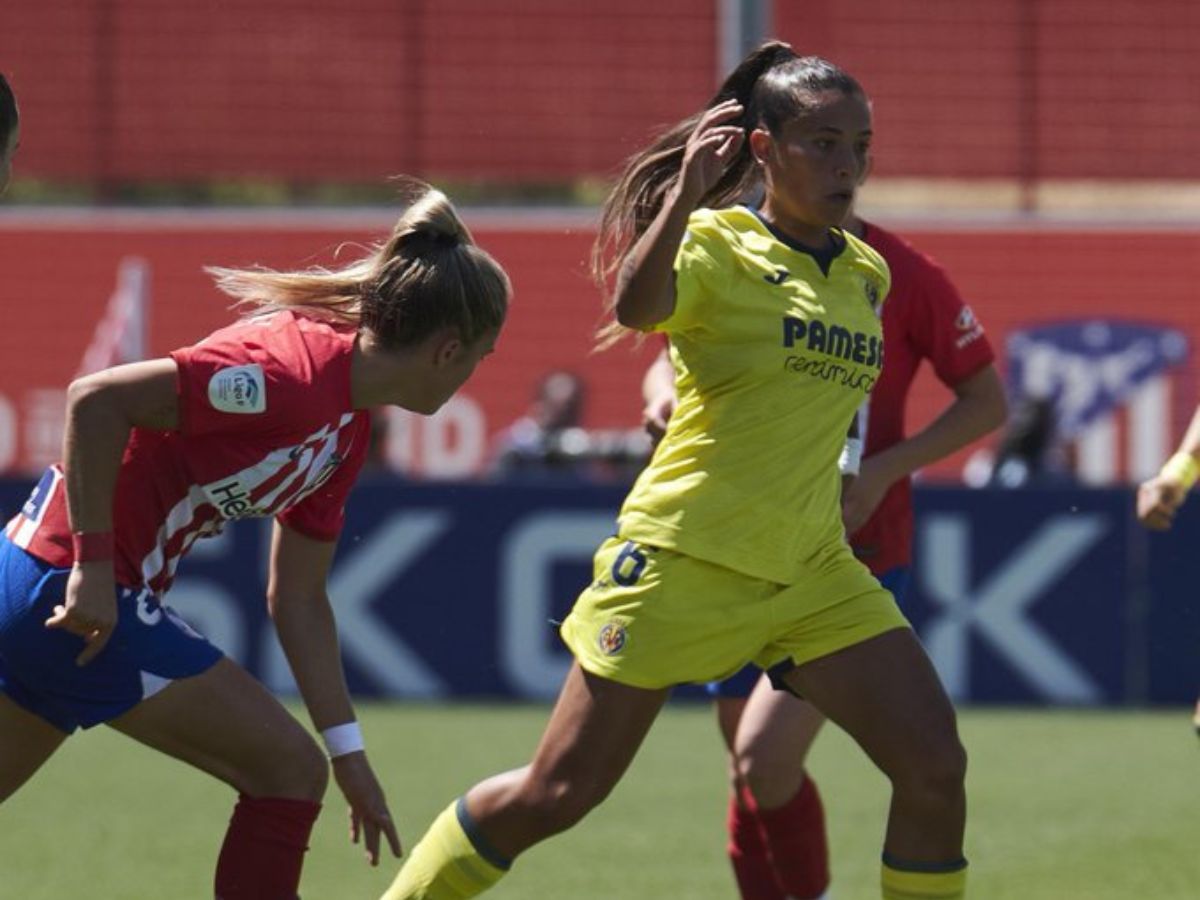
pixel 428 274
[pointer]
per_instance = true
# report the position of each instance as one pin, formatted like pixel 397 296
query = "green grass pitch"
pixel 1064 805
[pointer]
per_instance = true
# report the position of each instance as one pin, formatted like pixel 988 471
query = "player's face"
pixel 6 157
pixel 458 366
pixel 815 164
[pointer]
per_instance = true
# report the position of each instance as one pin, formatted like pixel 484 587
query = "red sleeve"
pixel 322 513
pixel 243 378
pixel 944 328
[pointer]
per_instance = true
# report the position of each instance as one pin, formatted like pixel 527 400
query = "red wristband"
pixel 92 546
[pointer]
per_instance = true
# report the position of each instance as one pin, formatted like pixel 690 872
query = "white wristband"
pixel 342 739
pixel 850 461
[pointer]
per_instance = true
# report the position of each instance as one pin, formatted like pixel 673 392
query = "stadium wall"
pixel 535 91
pixel 63 268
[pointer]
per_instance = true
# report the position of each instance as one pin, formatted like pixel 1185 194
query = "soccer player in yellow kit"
pixel 730 546
pixel 1159 498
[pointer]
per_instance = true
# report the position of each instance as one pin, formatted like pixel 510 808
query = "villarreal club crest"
pixel 611 639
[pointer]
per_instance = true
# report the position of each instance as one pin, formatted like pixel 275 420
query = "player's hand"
pixel 369 816
pixel 657 412
pixel 1158 499
pixel 862 495
pixel 710 149
pixel 89 608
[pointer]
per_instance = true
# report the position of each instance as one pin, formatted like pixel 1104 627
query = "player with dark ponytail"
pixel 730 547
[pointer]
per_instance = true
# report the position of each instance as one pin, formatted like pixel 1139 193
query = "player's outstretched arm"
pixel 304 620
pixel 1159 498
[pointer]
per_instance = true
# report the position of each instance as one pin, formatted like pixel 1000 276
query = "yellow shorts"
pixel 653 618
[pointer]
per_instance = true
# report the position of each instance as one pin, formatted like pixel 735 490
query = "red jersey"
pixel 924 317
pixel 266 428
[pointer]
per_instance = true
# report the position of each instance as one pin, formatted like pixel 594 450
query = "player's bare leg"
pixel 26 742
pixel 776 732
pixel 778 845
pixel 227 724
pixel 886 694
pixel 729 717
pixel 593 734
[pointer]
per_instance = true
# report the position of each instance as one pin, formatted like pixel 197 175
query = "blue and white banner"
pixel 1089 367
pixel 1114 389
pixel 452 590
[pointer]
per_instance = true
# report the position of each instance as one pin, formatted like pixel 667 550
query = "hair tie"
pixel 437 238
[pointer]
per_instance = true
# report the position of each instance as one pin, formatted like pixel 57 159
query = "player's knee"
pixel 948 762
pixel 563 803
pixel 767 774
pixel 954 767
pixel 939 771
pixel 311 770
pixel 299 771
pixel 771 770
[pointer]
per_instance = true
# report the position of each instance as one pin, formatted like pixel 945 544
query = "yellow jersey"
pixel 773 356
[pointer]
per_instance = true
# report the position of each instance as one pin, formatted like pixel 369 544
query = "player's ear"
pixel 447 348
pixel 760 145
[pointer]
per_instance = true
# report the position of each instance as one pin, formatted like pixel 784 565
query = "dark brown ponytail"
pixel 650 174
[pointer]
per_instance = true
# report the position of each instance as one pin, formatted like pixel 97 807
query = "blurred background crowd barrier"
pixel 1037 94
pixel 1046 152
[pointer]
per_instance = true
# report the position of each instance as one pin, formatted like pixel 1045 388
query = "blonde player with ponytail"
pixel 268 417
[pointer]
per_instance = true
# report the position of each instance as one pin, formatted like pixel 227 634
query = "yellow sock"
pixel 924 881
pixel 445 865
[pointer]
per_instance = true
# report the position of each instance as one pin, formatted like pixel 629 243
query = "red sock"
pixel 264 848
pixel 795 839
pixel 748 852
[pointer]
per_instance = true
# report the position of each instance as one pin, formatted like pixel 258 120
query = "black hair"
pixel 773 85
pixel 8 111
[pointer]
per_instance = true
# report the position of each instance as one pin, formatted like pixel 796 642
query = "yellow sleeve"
pixel 704 269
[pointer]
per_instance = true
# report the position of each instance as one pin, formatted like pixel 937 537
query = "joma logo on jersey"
pixel 231 499
pixel 833 340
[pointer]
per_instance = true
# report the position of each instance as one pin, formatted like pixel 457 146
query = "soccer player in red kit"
pixel 268 417
pixel 776 824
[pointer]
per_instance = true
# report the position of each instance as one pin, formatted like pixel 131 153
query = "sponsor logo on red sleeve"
pixel 969 328
pixel 238 389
